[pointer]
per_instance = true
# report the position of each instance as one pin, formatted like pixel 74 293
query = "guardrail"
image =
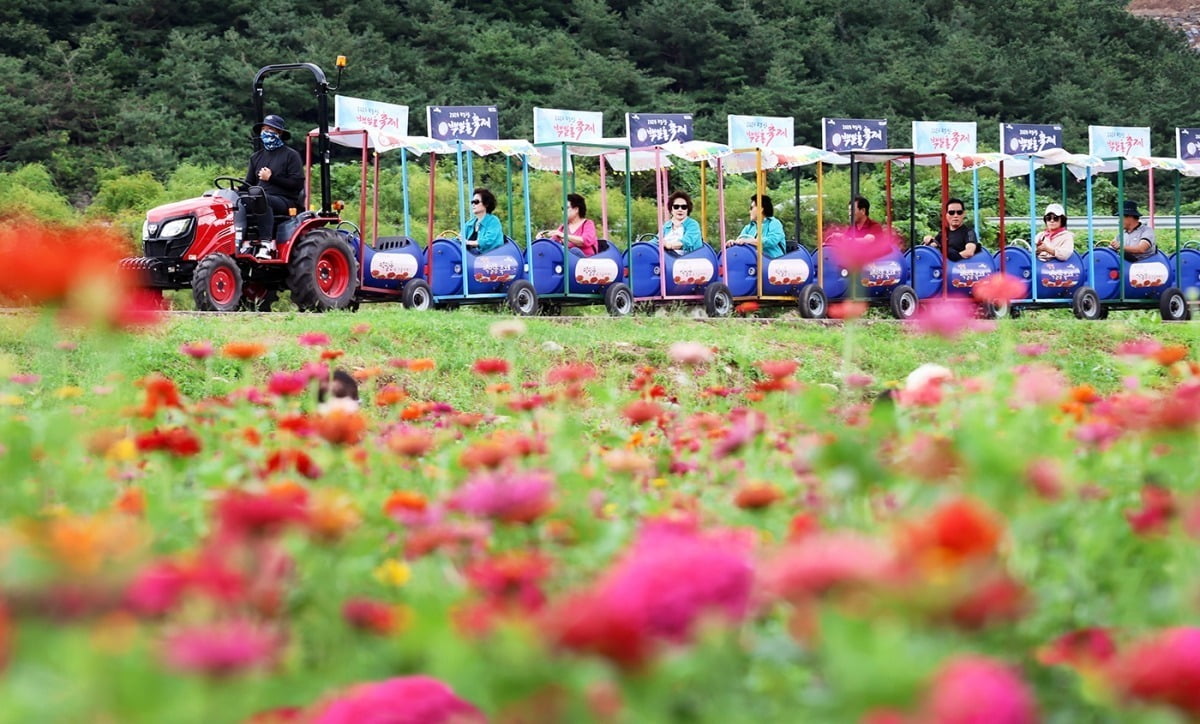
pixel 1075 223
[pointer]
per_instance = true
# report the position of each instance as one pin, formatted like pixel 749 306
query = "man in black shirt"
pixel 961 242
pixel 274 180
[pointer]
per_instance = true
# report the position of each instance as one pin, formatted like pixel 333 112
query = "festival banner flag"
pixel 360 114
pixel 463 123
pixel 843 135
pixel 1026 138
pixel 761 132
pixel 944 137
pixel 1119 141
pixel 1187 144
pixel 555 124
pixel 655 129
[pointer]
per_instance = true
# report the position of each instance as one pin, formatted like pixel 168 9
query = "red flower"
pixel 314 339
pixel 1158 508
pixel 571 373
pixel 44 265
pixel 240 513
pixel 179 441
pixel 405 700
pixel 160 392
pixel 746 308
pixel 954 533
pixel 1085 648
pixel 341 427
pixel 999 289
pixel 757 495
pixel 847 310
pixel 778 369
pixel 851 252
pixel 286 384
pixel 968 686
pixel 640 411
pixel 221 649
pixel 514 576
pixel 368 615
pixel 157 588
pixel 290 459
pixel 999 598
pixel 491 366
pixel 1163 669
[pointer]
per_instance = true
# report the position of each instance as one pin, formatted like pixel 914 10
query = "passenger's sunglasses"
pixel 679 206
pixel 476 201
pixel 954 212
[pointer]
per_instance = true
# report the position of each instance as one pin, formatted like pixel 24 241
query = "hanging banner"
pixel 1187 144
pixel 655 129
pixel 842 135
pixel 463 123
pixel 360 114
pixel 1024 138
pixel 554 124
pixel 1122 141
pixel 761 132
pixel 944 137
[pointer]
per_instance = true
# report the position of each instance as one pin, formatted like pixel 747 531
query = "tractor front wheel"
pixel 217 284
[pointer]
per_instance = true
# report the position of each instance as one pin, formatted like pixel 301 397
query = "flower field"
pixel 653 519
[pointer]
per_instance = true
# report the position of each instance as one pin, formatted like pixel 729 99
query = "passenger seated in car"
pixel 961 242
pixel 1055 242
pixel 581 231
pixel 773 240
pixel 1139 238
pixel 483 233
pixel 681 232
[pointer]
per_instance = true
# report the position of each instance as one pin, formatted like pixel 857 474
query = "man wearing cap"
pixel 1139 238
pixel 1055 242
pixel 273 180
pixel 961 242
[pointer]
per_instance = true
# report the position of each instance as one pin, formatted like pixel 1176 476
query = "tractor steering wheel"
pixel 234 183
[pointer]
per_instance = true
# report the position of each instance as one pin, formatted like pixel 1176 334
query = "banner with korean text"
pixel 1187 144
pixel 844 135
pixel 944 137
pixel 1119 141
pixel 655 129
pixel 555 124
pixel 1024 138
pixel 463 123
pixel 761 132
pixel 360 114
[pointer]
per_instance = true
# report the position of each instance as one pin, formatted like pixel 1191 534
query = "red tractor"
pixel 212 245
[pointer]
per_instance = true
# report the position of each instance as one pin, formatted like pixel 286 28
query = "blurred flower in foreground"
pixel 968 686
pixel 945 318
pixel 999 289
pixel 221 649
pixel 1163 669
pixel 689 353
pixel 405 700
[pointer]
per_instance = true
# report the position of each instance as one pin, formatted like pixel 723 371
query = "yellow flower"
pixel 610 509
pixel 122 450
pixel 659 482
pixel 393 572
pixel 12 400
pixel 68 392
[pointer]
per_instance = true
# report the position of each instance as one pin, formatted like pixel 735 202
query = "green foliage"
pixel 29 192
pixel 122 194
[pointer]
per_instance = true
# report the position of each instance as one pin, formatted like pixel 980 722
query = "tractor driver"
pixel 274 180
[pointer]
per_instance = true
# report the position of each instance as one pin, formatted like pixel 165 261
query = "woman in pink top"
pixel 1055 242
pixel 581 232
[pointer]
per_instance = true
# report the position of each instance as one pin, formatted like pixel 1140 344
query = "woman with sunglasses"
pixel 581 231
pixel 1055 242
pixel 773 239
pixel 483 232
pixel 961 242
pixel 681 231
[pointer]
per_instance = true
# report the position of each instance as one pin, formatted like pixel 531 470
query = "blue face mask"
pixel 270 141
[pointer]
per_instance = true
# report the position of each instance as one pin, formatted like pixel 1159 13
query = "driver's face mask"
pixel 270 141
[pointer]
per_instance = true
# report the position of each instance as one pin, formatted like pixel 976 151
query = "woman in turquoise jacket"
pixel 681 231
pixel 483 231
pixel 773 240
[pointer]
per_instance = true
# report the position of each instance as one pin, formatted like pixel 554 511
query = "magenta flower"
pixel 221 649
pixel 403 700
pixel 197 350
pixel 314 339
pixel 853 252
pixel 946 318
pixel 286 384
pixel 507 497
pixel 968 686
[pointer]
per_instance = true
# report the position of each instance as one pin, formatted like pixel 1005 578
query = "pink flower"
pixel 1039 384
pixel 1138 348
pixel 1045 477
pixel 974 690
pixel 946 318
pixel 157 588
pixel 998 289
pixel 314 339
pixel 286 384
pixel 821 562
pixel 27 380
pixel 1157 511
pixel 690 353
pixel 1163 669
pixel 1032 350
pixel 507 497
pixel 854 253
pixel 197 350
pixel 221 649
pixel 403 700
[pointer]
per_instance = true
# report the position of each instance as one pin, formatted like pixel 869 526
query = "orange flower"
pixel 778 369
pixel 390 395
pixel 244 350
pixel 46 265
pixel 847 310
pixel 746 308
pixel 756 495
pixel 405 501
pixel 415 411
pixel 411 443
pixel 640 411
pixel 160 392
pixel 1084 394
pixel 421 364
pixel 289 491
pixel 341 427
pixel 1171 354
pixel 485 454
pixel 332 514
pixel 954 533
pixel 131 501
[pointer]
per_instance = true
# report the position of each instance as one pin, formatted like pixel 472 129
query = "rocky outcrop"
pixel 1182 14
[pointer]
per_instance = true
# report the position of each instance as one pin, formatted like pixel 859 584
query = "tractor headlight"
pixel 175 228
pixel 146 230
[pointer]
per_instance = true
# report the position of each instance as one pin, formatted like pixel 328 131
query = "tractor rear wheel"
pixel 322 272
